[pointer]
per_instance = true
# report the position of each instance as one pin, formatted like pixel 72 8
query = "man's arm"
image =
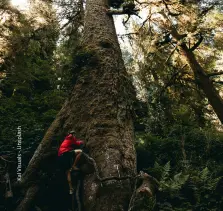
pixel 77 143
pixel 80 142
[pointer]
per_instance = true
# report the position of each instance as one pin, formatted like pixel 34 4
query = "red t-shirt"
pixel 68 144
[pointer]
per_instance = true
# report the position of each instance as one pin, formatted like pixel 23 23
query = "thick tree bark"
pixel 99 109
pixel 202 79
pixel 28 198
pixel 102 102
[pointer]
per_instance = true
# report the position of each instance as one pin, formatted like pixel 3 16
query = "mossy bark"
pixel 99 109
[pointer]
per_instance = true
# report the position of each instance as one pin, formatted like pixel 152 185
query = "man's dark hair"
pixel 72 132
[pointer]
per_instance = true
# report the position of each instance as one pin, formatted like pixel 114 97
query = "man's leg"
pixel 68 174
pixel 77 158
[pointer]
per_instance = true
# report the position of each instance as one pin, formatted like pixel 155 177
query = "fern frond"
pixel 166 171
pixel 204 175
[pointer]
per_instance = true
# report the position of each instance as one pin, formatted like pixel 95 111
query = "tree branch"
pixel 196 45
pixel 9 161
pixel 171 53
pixel 215 74
pixel 172 79
pixel 218 82
pixel 206 10
pixel 169 12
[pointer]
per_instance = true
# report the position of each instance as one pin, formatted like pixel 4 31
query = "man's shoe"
pixel 74 168
pixel 71 191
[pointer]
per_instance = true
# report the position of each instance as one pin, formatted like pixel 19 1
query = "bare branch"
pixel 9 161
pixel 129 35
pixel 171 53
pixel 196 45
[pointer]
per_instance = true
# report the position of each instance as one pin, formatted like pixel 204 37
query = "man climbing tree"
pixel 69 151
pixel 100 109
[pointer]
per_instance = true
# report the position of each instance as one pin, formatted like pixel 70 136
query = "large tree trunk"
pixel 202 79
pixel 99 110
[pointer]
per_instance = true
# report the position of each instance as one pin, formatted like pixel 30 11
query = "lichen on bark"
pixel 101 112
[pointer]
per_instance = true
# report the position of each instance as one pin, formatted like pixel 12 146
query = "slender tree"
pixel 202 79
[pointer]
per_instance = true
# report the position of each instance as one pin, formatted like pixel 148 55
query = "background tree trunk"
pixel 204 83
pixel 100 111
pixel 202 79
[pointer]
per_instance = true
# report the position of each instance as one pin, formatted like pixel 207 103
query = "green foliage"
pixel 193 182
pixel 171 185
pixel 145 204
pixel 29 95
